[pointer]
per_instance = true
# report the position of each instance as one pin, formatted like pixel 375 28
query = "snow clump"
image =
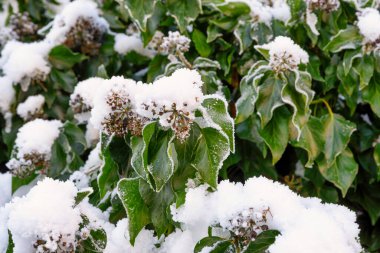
pixel 31 108
pixel 33 146
pixel 284 54
pixel 305 224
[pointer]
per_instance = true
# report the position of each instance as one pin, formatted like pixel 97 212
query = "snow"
pixel 5 188
pixel 127 43
pixel 178 241
pixel 117 84
pixel 3 229
pixel 306 224
pixel 37 136
pixel 82 99
pixel 7 94
pixel 284 54
pixel 264 10
pixel 118 241
pixel 182 88
pixel 22 62
pixel 92 135
pixel 172 100
pixel 94 162
pixel 68 17
pixel 80 179
pixel 47 210
pixel 31 106
pixel 368 23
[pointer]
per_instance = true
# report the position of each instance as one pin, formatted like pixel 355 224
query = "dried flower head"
pixel 179 120
pixel 122 119
pixel 82 99
pixel 78 104
pixel 174 43
pixel 284 54
pixel 54 243
pixel 156 41
pixel 28 164
pixel 23 26
pixel 32 150
pixel 85 36
pixel 323 5
pixel 173 100
pixel 247 225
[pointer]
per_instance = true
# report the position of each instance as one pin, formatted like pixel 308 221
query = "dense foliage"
pixel 148 102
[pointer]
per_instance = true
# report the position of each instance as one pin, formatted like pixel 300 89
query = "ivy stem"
pixel 184 60
pixel 321 100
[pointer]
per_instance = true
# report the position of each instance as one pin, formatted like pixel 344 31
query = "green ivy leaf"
pixel 82 194
pixel 205 63
pixel 138 213
pixel 108 175
pixel 152 155
pixel 242 33
pixel 348 38
pixel 342 172
pixel 311 140
pixel 161 158
pixel 217 112
pixel 61 57
pixel 153 22
pixel 213 32
pixel 262 242
pixel 212 149
pixel 314 68
pixel 298 94
pixel 65 80
pixel 336 133
pixel 184 11
pixel 96 242
pixel 159 206
pixel 139 10
pixel 348 59
pixel 75 137
pixel 59 151
pixel 234 9
pixel 249 91
pixel 297 8
pixel 376 156
pixel 368 198
pixel 371 94
pixel 269 98
pixel 276 133
pixel 200 43
pixel 207 242
pixel 365 69
pixel 11 244
pixel 219 245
